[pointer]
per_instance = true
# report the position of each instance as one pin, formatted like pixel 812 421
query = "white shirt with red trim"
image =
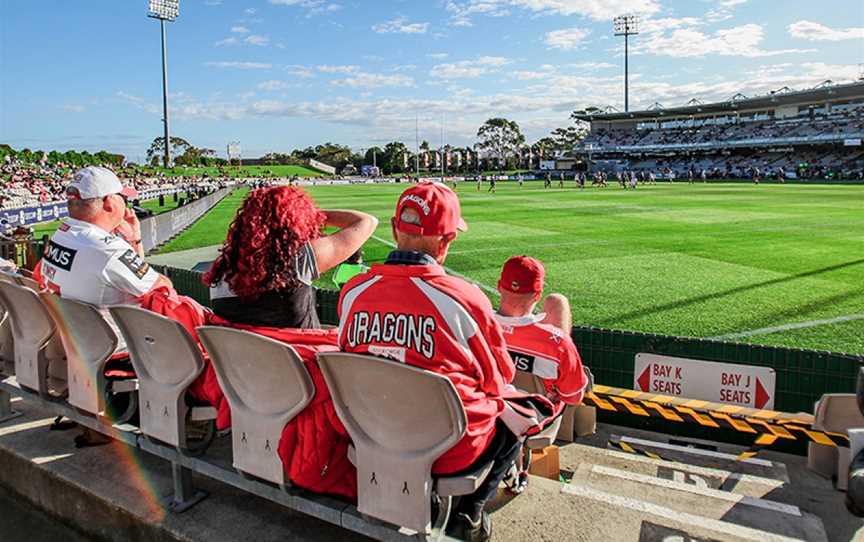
pixel 85 263
pixel 546 352
pixel 416 314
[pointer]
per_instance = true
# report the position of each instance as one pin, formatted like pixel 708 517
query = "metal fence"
pixel 160 228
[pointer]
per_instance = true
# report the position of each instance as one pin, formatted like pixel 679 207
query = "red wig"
pixel 259 253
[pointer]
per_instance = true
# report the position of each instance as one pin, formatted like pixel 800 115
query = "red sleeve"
pixel 571 381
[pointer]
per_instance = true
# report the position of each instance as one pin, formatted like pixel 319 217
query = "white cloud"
pixel 469 68
pixel 688 41
pixel 226 42
pixel 598 10
pixel 374 80
pixel 400 25
pixel 250 11
pixel 438 56
pixel 808 30
pixel 272 85
pixel 538 109
pixel 212 2
pixel 300 71
pixel 312 7
pixel 73 108
pixel 567 38
pixel 240 65
pixel 255 39
pixel 337 69
pixel 239 30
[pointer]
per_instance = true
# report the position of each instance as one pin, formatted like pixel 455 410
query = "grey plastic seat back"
pixel 32 333
pixel 166 360
pixel 89 342
pixel 401 420
pixel 267 385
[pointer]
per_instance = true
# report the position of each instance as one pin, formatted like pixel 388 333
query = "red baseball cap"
pixel 437 206
pixel 522 275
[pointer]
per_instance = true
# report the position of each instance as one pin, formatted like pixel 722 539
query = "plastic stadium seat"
pixel 36 344
pixel 266 385
pixel 167 360
pixel 89 343
pixel 401 419
pixel 836 413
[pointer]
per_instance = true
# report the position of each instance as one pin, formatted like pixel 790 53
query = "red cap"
pixel 438 208
pixel 522 275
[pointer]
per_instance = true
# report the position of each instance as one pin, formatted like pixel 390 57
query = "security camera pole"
pixel 165 10
pixel 626 25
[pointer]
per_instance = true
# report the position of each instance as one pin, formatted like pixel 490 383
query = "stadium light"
pixel 626 25
pixel 165 10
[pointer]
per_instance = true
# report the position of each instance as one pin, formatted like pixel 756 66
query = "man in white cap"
pixel 96 256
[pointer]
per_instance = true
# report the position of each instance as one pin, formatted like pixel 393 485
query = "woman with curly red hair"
pixel 274 251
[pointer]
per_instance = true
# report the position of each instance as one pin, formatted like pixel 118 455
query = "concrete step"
pixel 594 515
pixel 573 455
pixel 722 458
pixel 702 505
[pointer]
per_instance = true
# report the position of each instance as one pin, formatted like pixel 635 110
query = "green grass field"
pixel 244 171
pixel 691 260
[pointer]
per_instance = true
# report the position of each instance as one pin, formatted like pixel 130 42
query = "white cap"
pixel 97 182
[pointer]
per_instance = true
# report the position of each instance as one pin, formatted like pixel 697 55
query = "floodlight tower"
pixel 165 10
pixel 626 25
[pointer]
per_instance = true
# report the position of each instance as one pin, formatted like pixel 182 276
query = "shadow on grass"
pixel 740 289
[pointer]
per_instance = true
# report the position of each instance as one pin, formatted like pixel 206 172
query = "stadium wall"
pixel 158 229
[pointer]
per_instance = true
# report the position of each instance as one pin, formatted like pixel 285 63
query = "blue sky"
pixel 281 74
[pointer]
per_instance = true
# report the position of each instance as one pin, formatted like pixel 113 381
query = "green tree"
pixel 179 146
pixel 501 138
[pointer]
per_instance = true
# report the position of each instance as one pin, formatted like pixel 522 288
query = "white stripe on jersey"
pixel 350 297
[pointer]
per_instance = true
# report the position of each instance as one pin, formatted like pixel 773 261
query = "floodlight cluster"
pixel 167 10
pixel 626 24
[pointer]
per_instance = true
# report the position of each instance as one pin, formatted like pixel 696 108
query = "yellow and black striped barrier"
pixel 625 447
pixel 768 426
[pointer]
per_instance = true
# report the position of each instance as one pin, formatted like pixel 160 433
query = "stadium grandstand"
pixel 808 134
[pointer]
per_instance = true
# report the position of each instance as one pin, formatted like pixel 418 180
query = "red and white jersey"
pixel 85 263
pixel 418 315
pixel 547 352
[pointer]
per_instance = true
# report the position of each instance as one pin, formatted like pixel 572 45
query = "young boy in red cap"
pixel 410 310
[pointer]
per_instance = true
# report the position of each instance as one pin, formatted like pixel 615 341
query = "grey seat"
pixel 267 385
pixel 401 419
pixel 38 351
pixel 89 342
pixel 166 360
pixel 27 282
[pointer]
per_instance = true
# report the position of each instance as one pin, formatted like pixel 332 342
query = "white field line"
pixel 493 291
pixel 788 327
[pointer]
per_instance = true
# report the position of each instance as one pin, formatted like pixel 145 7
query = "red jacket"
pixel 190 314
pixel 314 445
pixel 418 315
pixel 547 352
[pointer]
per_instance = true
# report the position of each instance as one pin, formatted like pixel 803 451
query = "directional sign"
pixel 744 385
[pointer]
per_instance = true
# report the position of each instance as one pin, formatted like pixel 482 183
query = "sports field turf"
pixel 693 260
